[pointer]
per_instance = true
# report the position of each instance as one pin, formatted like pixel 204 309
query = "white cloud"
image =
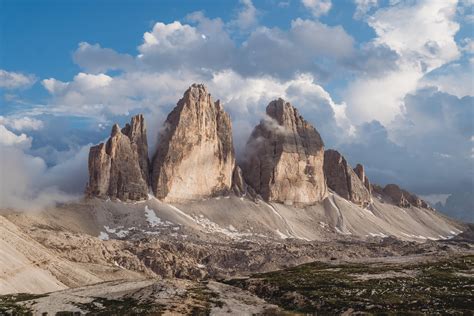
pixel 422 34
pixel 23 123
pixel 247 16
pixel 53 86
pixel 467 45
pixel 317 7
pixel 8 138
pixel 169 37
pixel 26 183
pixel 95 59
pixel 246 99
pixel 455 79
pixel 364 6
pixel 182 46
pixel 15 80
pixel 286 53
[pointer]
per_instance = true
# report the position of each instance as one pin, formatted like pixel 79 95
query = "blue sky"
pixel 388 83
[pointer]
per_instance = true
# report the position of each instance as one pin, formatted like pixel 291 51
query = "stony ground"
pixel 416 285
pixel 155 268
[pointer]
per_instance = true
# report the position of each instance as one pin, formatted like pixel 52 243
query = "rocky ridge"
pixel 343 180
pixel 285 160
pixel 399 196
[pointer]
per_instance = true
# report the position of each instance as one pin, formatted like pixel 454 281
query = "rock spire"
pixel 284 157
pixel 119 168
pixel 195 155
pixel 343 180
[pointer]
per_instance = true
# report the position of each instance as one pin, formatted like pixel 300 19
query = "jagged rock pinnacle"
pixel 284 157
pixel 195 155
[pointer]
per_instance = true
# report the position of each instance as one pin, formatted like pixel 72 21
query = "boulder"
pixel 284 158
pixel 114 167
pixel 343 180
pixel 195 154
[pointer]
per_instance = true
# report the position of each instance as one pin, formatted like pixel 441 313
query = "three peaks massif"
pixel 285 160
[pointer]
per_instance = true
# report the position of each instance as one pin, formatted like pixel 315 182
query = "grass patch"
pixel 127 306
pixel 423 288
pixel 9 304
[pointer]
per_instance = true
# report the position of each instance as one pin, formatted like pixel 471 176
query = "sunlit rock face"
pixel 119 168
pixel 343 180
pixel 195 154
pixel 284 158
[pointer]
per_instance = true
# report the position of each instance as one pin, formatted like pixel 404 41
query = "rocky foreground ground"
pixel 412 285
pixel 165 276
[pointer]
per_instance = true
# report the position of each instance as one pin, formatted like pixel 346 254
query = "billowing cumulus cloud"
pixel 27 183
pixel 175 45
pixel 428 149
pixel 455 78
pixel 422 35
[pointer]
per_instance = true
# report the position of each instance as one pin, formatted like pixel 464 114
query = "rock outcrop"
pixel 360 172
pixel 115 170
pixel 403 198
pixel 396 194
pixel 343 180
pixel 284 158
pixel 195 155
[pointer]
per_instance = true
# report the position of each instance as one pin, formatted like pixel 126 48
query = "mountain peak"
pixel 195 156
pixel 114 168
pixel 285 157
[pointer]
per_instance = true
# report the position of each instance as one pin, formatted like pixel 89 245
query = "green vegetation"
pixel 444 287
pixel 9 303
pixel 127 306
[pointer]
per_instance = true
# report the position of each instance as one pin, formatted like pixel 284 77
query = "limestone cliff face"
pixel 114 167
pixel 195 155
pixel 343 180
pixel 284 158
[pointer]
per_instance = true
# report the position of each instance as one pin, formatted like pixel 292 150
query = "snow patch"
pixel 104 236
pixel 119 232
pixel 274 210
pixel 382 235
pixel 341 232
pixel 281 235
